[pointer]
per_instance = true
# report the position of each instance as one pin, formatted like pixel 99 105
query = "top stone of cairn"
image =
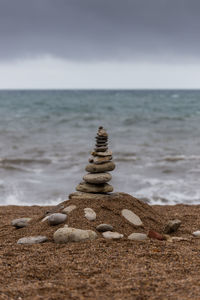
pixel 95 181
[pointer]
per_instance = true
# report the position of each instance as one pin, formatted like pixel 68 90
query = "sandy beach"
pixel 99 269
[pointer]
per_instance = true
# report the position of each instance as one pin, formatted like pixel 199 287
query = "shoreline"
pixel 101 269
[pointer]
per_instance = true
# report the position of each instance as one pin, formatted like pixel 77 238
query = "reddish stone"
pixel 155 235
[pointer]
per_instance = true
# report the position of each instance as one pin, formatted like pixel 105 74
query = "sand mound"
pixel 108 210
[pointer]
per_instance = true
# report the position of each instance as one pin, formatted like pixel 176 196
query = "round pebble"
pixel 57 218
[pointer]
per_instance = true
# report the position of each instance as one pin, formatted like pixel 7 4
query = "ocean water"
pixel 46 138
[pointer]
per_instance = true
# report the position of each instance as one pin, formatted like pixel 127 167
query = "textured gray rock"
pixel 97 178
pixel 57 218
pixel 131 217
pixel 90 188
pixel 69 234
pixel 137 236
pixel 196 233
pixel 104 227
pixel 32 240
pixel 90 214
pixel 112 235
pixel 20 223
pixel 105 167
pixel 172 226
pixel 67 210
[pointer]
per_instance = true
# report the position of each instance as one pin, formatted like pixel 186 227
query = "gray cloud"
pixel 100 29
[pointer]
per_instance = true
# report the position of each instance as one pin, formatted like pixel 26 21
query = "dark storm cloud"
pixel 100 29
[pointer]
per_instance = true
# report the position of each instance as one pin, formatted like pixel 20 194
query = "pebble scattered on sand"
pixel 32 240
pixel 137 236
pixel 172 226
pixel 68 234
pixel 112 235
pixel 104 227
pixel 69 209
pixel 90 214
pixel 196 233
pixel 131 217
pixel 20 223
pixel 57 218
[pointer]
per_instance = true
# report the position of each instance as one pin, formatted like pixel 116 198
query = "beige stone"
pixel 106 153
pixel 131 217
pixel 93 168
pixel 101 159
pixel 97 178
pixel 69 234
pixel 91 188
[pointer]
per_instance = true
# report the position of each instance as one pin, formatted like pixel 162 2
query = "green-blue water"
pixel 46 138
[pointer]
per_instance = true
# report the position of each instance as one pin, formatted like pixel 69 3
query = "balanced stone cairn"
pixel 99 164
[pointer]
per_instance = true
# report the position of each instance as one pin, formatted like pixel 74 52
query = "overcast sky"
pixel 100 44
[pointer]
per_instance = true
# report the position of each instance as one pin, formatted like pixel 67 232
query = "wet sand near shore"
pixel 100 269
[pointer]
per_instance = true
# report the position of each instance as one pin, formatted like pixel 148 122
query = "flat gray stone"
pixel 104 227
pixel 20 223
pixel 57 218
pixel 97 178
pixel 90 214
pixel 67 210
pixel 105 167
pixel 106 153
pixel 137 236
pixel 96 196
pixel 92 188
pixel 196 233
pixel 172 226
pixel 112 235
pixel 69 234
pixel 32 240
pixel 131 217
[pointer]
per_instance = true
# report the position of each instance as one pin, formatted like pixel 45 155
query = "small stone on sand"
pixel 131 217
pixel 112 235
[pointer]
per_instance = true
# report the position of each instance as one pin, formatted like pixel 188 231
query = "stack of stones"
pixel 99 164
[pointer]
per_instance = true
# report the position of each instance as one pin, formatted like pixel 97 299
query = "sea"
pixel 46 138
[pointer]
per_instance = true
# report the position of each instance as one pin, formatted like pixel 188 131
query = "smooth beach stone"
pixel 57 218
pixel 196 233
pixel 91 196
pixel 20 223
pixel 90 214
pixel 131 217
pixel 69 234
pixel 112 235
pixel 97 178
pixel 32 240
pixel 137 236
pixel 106 153
pixel 101 144
pixel 172 226
pixel 101 149
pixel 104 227
pixel 69 209
pixel 91 188
pixel 94 168
pixel 99 159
